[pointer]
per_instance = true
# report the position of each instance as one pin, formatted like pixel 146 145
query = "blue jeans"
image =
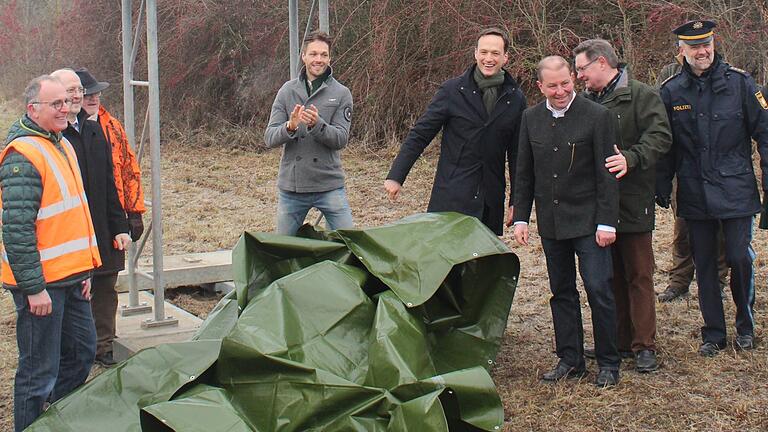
pixel 292 208
pixel 56 351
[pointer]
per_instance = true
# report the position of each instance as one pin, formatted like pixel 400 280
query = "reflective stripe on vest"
pixel 62 249
pixel 68 247
pixel 68 201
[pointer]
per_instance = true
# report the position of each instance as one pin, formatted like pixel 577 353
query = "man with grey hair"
pixel 563 144
pixel 94 156
pixel 46 268
pixel 643 136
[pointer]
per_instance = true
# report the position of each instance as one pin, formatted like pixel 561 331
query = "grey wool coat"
pixel 311 160
pixel 561 165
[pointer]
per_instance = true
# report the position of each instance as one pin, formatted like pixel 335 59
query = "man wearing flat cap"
pixel 127 178
pixel 715 110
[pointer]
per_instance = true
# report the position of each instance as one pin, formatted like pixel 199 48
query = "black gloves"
pixel 136 225
pixel 663 201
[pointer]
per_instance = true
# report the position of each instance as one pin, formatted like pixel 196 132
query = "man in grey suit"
pixel 310 120
pixel 563 146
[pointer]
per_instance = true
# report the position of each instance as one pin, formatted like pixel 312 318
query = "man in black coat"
pixel 716 110
pixel 479 113
pixel 564 144
pixel 110 223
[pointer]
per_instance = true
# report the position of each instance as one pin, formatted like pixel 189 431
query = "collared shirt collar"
pixel 612 85
pixel 560 113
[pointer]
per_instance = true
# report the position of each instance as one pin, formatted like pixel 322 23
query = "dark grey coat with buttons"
pixel 470 175
pixel 561 166
pixel 311 160
pixel 714 119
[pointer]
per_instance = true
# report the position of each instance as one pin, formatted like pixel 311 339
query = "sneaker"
pixel 672 293
pixel 607 378
pixel 590 354
pixel 709 349
pixel 105 360
pixel 744 342
pixel 645 361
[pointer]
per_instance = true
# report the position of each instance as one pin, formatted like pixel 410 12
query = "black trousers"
pixel 738 256
pixel 595 268
pixel 104 309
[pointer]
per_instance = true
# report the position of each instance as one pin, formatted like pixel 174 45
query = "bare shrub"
pixel 222 61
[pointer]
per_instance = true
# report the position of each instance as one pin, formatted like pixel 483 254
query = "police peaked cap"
pixel 695 32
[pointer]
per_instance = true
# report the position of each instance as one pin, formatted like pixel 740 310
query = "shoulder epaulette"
pixel 667 80
pixel 735 69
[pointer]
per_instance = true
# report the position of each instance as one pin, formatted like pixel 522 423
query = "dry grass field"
pixel 212 194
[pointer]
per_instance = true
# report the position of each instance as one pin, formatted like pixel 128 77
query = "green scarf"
pixel 490 87
pixel 312 86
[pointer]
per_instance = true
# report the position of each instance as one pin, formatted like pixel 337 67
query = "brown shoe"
pixel 672 293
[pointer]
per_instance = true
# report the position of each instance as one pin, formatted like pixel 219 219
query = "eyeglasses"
pixel 92 95
pixel 73 90
pixel 57 104
pixel 582 68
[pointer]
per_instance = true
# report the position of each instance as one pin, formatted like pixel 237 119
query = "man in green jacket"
pixel 643 135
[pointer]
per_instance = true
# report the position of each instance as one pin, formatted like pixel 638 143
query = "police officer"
pixel 715 110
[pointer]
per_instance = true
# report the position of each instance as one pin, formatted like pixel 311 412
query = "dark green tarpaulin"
pixel 384 329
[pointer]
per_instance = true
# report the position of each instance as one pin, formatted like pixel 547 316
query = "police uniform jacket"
pixel 470 174
pixel 714 118
pixel 561 166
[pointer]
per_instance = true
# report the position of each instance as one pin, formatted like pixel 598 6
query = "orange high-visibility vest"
pixel 65 237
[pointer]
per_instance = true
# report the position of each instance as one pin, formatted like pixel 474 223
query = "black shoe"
pixel 105 360
pixel 672 293
pixel 590 354
pixel 744 342
pixel 645 361
pixel 709 349
pixel 607 378
pixel 562 371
